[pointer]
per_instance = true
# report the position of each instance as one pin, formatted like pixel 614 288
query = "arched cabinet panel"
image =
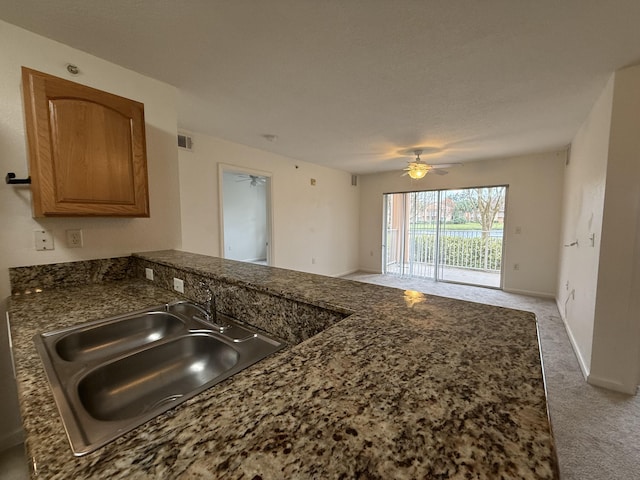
pixel 87 149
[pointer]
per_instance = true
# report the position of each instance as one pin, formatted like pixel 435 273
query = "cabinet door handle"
pixel 12 180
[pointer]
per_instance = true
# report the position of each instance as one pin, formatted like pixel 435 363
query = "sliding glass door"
pixel 411 233
pixel 447 235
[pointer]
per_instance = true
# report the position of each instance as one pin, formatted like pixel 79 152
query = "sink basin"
pixel 112 375
pixel 117 336
pixel 135 384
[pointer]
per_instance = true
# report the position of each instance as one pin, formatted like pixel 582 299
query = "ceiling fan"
pixel 418 169
pixel 254 180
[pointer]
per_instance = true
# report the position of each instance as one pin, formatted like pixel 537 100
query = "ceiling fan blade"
pixel 444 165
pixel 439 172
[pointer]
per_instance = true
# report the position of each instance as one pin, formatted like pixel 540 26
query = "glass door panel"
pixel 471 237
pixel 422 237
pixel 448 235
pixel 394 234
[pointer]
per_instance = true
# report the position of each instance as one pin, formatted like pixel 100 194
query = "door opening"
pixel 446 235
pixel 245 215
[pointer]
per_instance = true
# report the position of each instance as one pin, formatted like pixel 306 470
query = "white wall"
pixel 102 237
pixel 602 196
pixel 533 204
pixel 309 222
pixel 616 335
pixel 245 218
pixel 582 207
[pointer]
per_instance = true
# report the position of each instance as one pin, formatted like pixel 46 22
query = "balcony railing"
pixel 465 249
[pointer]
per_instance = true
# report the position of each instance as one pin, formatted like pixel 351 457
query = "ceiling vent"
pixel 185 142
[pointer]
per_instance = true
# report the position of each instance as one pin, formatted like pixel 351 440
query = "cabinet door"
pixel 87 149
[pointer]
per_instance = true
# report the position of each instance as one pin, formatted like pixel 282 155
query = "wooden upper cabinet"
pixel 87 151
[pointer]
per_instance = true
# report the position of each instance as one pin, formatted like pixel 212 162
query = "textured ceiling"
pixel 349 83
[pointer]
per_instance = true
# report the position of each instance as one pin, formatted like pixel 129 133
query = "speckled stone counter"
pixel 407 386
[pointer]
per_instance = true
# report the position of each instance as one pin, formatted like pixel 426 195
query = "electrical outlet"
pixel 148 272
pixel 74 238
pixel 178 285
pixel 43 240
pixel 313 260
pixel 516 266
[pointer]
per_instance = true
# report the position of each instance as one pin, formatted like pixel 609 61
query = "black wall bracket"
pixel 12 180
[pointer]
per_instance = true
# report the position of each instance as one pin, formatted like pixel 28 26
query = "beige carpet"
pixel 597 432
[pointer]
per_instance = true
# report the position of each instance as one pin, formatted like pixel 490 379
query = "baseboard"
pixel 530 293
pixel 583 365
pixel 349 272
pixel 12 439
pixel 590 378
pixel 366 270
pixel 611 385
pixel 251 260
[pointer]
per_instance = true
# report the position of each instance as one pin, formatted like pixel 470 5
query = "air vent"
pixel 185 142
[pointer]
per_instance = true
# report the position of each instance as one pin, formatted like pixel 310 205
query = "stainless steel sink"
pixel 112 375
pixel 132 385
pixel 116 336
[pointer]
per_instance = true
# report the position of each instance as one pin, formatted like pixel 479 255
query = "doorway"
pixel 446 235
pixel 245 214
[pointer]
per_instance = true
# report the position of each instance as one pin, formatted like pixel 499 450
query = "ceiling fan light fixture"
pixel 417 170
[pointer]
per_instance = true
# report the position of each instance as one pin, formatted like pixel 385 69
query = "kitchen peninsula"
pixel 377 382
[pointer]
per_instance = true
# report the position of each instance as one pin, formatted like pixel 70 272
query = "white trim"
pixel 360 270
pixel 611 385
pixel 225 167
pixel 583 365
pixel 348 272
pixel 366 270
pixel 531 293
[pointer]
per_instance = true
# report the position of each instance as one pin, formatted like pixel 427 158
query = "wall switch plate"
pixel 178 285
pixel 43 240
pixel 74 238
pixel 148 273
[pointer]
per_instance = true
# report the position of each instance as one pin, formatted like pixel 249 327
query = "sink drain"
pixel 169 399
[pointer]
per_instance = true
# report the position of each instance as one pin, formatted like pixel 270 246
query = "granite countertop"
pixel 408 386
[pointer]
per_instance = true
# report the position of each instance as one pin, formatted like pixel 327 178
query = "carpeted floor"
pixel 597 431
